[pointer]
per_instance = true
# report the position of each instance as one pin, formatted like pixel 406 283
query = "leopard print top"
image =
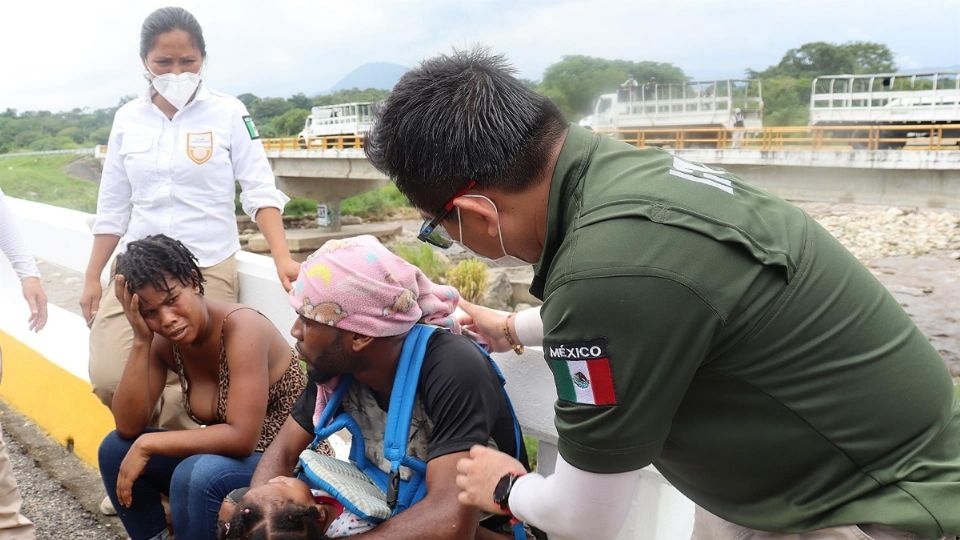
pixel 281 395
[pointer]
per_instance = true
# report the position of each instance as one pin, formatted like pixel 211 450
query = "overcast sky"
pixel 61 54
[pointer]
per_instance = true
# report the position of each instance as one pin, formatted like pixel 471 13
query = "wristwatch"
pixel 501 493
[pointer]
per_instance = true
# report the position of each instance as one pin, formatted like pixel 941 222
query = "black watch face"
pixel 501 494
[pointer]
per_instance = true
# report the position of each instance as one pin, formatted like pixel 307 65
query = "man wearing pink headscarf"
pixel 356 303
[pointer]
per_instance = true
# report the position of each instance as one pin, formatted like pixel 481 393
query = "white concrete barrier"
pixel 62 237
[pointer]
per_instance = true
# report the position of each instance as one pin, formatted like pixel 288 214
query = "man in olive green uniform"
pixel 690 321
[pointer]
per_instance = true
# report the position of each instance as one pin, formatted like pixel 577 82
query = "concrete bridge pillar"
pixel 327 181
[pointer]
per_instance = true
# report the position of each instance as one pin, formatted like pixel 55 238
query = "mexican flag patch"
pixel 251 128
pixel 582 372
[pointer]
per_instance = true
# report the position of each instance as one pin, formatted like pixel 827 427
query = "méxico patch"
pixel 582 372
pixel 251 128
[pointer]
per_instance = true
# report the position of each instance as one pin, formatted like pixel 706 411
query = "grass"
pixel 425 258
pixel 377 205
pixel 42 179
pixel 470 277
pixel 533 446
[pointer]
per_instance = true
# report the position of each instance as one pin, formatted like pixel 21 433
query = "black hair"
pixel 287 521
pixel 150 260
pixel 165 20
pixel 459 117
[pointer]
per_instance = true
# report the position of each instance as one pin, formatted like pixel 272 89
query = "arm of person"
pixel 600 501
pixel 103 246
pixel 247 347
pixel 259 196
pixel 145 373
pixel 110 223
pixel 280 458
pixel 623 351
pixel 486 325
pixel 13 246
pixel 438 516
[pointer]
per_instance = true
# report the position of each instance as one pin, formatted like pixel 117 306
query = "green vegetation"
pixel 470 277
pixel 300 207
pixel 533 448
pixel 575 82
pixel 786 86
pixel 425 258
pixel 42 179
pixel 377 205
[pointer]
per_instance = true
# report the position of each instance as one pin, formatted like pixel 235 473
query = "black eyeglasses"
pixel 431 232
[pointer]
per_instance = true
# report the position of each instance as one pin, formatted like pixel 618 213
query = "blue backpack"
pixel 399 494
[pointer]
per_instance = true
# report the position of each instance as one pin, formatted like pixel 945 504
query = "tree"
pixel 822 58
pixel 300 101
pixel 575 82
pixel 786 86
pixel 289 123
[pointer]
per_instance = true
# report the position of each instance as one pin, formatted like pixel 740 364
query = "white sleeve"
pixel 572 504
pixel 251 168
pixel 12 244
pixel 529 327
pixel 114 199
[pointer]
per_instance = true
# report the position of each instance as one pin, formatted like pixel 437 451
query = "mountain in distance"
pixel 381 75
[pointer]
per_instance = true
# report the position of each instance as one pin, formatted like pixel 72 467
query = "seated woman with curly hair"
pixel 240 379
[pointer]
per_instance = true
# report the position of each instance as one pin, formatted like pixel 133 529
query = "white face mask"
pixel 504 261
pixel 177 89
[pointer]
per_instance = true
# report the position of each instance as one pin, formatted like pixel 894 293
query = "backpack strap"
pixel 400 411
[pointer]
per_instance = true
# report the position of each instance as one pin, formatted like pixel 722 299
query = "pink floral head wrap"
pixel 357 284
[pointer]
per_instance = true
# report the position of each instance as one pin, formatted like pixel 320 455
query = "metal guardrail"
pixel 799 138
pixel 339 142
pixel 78 151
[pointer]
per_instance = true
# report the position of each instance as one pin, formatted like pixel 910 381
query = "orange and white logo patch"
pixel 200 147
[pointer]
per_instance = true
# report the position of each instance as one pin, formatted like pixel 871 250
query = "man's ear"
pixel 359 342
pixel 480 208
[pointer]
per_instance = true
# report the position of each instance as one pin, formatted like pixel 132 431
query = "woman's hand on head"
pixel 131 308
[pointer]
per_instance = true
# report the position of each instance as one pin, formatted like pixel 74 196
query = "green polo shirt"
pixel 697 323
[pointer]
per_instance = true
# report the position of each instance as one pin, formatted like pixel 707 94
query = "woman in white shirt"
pixel 173 157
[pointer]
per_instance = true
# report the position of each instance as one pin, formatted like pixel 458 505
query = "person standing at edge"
pixel 690 320
pixel 173 158
pixel 13 524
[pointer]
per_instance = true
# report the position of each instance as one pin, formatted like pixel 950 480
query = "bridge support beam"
pixel 327 181
pixel 922 188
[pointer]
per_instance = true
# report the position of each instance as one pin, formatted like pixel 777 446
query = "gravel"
pixel 46 501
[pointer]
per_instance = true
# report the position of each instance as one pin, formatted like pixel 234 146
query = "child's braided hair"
pixel 286 521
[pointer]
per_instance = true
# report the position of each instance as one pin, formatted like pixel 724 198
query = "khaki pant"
pixel 111 338
pixel 707 526
pixel 13 524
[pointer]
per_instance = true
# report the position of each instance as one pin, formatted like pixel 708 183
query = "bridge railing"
pixel 799 138
pixel 47 376
pixel 339 142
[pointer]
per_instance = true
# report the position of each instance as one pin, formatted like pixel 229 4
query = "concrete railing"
pixel 47 376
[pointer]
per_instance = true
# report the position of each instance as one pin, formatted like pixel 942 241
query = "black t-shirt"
pixel 460 393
